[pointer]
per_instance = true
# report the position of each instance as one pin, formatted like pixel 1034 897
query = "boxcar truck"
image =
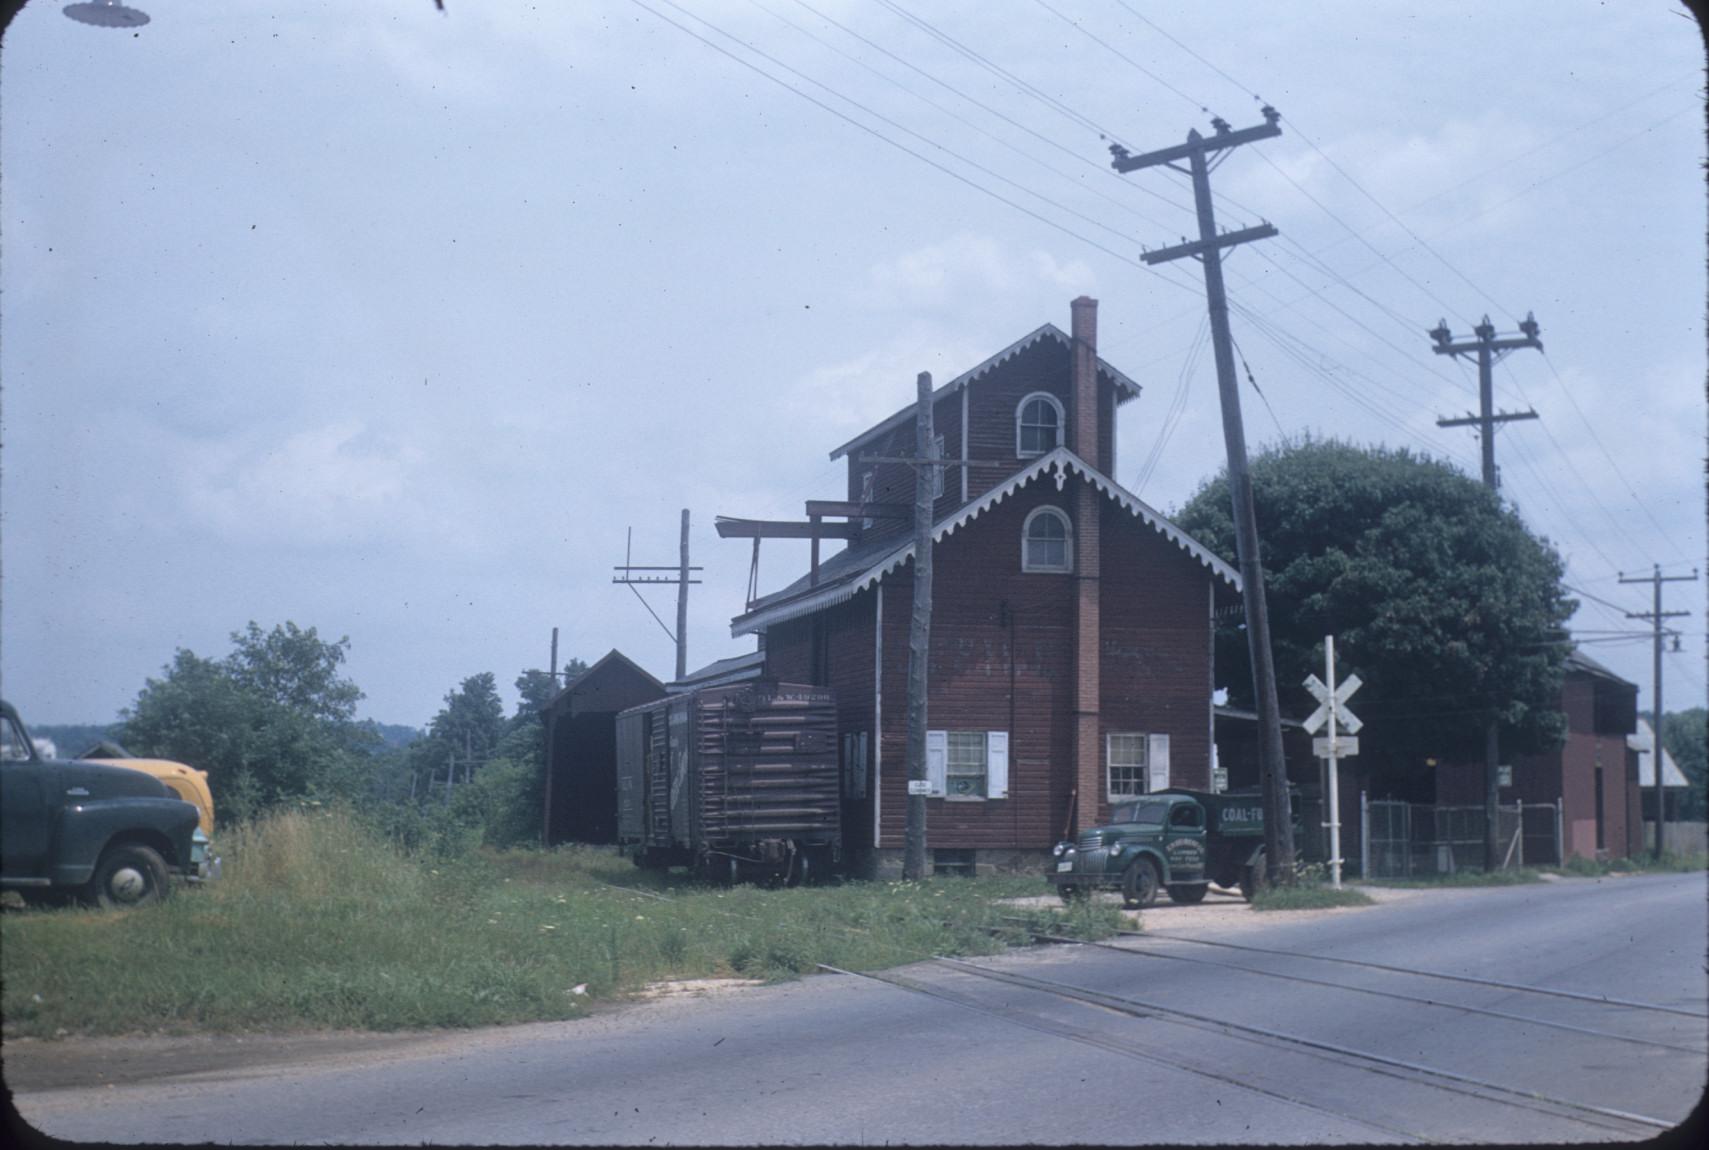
pixel 1175 840
pixel 736 782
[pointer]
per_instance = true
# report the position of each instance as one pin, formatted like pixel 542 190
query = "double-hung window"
pixel 1046 541
pixel 1038 424
pixel 1135 764
pixel 968 764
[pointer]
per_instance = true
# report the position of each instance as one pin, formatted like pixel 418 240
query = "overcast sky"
pixel 391 322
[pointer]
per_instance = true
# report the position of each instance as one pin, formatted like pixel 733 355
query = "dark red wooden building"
pixel 1593 775
pixel 581 748
pixel 1071 653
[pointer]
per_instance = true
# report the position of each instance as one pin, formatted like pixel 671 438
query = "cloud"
pixel 331 484
pixel 964 269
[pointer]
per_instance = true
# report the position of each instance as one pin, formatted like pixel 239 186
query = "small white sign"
pixel 919 786
pixel 1345 747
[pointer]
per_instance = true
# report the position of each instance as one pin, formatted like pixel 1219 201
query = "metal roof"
pixel 849 572
pixel 1126 388
pixel 732 670
pixel 1644 742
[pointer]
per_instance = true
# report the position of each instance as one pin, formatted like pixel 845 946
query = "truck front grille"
pixel 1090 841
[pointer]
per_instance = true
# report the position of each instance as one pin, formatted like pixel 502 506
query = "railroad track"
pixel 1147 1046
pixel 1437 1003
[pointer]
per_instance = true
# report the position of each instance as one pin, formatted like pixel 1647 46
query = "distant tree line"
pixel 273 723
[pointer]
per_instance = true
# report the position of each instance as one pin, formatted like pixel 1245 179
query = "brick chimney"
pixel 1083 381
pixel 1088 568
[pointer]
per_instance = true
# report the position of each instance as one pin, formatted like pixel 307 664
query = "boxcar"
pixel 737 781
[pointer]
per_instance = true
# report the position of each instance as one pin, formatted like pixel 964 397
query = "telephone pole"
pixel 920 632
pixel 1489 351
pixel 1656 615
pixel 1199 152
pixel 681 579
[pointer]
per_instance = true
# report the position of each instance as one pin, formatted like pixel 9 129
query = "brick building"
pixel 1071 652
pixel 1593 775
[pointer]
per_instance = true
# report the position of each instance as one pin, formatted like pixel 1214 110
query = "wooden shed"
pixel 581 748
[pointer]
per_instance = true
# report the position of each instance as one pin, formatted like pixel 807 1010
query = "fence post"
pixel 1406 837
pixel 1560 831
pixel 1364 838
pixel 1520 803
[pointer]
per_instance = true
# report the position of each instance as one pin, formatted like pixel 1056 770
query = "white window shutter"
pixel 937 759
pixel 1156 762
pixel 997 764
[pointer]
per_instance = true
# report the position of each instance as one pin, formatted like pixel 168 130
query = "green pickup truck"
pixel 111 836
pixel 1176 840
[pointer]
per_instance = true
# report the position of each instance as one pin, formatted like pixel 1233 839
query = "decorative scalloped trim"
pixel 1059 464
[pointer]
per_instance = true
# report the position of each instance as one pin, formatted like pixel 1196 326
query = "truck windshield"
pixel 1144 811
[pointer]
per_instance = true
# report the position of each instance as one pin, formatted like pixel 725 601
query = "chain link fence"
pixel 1403 840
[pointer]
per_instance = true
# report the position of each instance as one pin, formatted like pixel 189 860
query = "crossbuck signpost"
pixel 1332 708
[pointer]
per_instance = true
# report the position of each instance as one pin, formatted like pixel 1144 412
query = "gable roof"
pixel 1644 742
pixel 854 570
pixel 1577 660
pixel 1126 388
pixel 611 659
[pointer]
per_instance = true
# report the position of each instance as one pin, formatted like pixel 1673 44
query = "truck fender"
pixel 1157 860
pixel 1256 858
pixel 85 829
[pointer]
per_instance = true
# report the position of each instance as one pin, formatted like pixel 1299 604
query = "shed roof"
pixel 853 570
pixel 1126 388
pixel 735 669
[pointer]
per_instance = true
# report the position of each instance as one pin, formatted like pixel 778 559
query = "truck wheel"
pixel 128 874
pixel 1187 892
pixel 1070 894
pixel 1139 884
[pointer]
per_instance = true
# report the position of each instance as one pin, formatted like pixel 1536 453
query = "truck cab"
pixel 109 835
pixel 1176 840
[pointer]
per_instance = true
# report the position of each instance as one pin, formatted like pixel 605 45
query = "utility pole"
pixel 1489 351
pixel 920 633
pixel 1199 152
pixel 681 579
pixel 1656 615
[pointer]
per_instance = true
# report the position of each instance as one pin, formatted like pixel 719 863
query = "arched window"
pixel 1044 541
pixel 1038 424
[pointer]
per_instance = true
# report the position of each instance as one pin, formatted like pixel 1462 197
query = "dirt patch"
pixel 697 987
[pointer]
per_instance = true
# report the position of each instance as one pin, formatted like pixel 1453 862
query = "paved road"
pixel 1059 1045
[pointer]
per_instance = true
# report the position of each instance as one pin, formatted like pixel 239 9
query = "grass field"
pixel 320 923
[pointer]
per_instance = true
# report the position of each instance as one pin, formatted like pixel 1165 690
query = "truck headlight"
pixel 1059 849
pixel 1117 849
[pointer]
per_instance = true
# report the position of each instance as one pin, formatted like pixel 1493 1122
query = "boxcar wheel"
pixel 1139 884
pixel 1187 893
pixel 128 874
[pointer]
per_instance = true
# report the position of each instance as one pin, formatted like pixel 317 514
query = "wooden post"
pixel 919 635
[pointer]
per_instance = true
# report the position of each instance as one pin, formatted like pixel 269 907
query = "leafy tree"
pixel 270 722
pixel 472 721
pixel 1684 734
pixel 1438 596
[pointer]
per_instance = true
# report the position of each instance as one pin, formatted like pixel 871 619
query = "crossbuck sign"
pixel 1336 701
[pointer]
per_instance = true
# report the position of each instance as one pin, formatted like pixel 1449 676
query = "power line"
pixel 1057 144
pixel 875 133
pixel 998 70
pixel 1606 454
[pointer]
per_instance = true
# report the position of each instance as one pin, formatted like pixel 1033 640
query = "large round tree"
pixel 1439 597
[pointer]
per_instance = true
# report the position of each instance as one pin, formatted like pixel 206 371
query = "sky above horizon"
pixel 393 323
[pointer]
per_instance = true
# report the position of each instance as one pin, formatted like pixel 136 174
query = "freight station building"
pixel 1071 641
